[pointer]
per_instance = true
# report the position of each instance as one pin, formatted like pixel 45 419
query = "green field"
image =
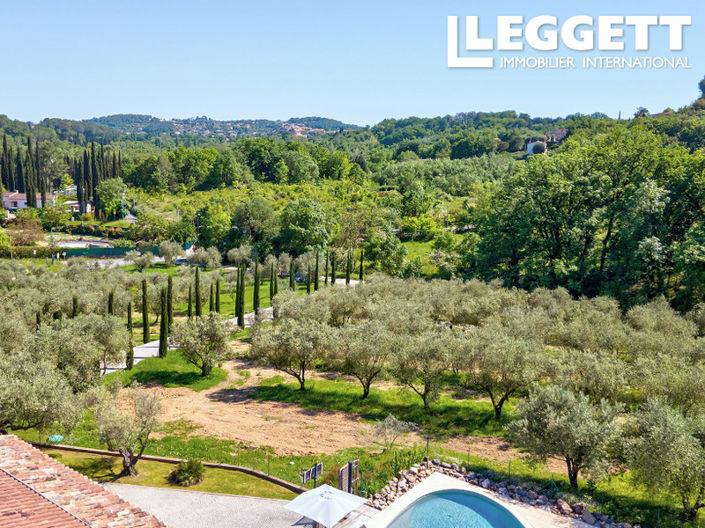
pixel 447 416
pixel 151 473
pixel 172 371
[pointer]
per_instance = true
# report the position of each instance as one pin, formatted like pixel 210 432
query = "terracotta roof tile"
pixel 22 507
pixel 55 487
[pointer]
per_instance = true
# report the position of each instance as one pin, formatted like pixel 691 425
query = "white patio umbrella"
pixel 325 504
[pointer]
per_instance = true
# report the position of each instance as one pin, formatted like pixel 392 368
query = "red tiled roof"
pixel 57 496
pixel 22 507
pixel 11 195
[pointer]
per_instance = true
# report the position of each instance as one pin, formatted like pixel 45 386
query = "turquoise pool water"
pixel 455 509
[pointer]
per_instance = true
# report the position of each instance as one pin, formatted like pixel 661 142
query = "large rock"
pixel 563 507
pixel 588 517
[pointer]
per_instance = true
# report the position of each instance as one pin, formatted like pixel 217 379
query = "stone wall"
pixel 407 479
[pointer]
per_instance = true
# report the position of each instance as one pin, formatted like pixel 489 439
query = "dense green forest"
pixel 603 206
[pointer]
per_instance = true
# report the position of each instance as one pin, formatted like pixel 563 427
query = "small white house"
pixel 12 201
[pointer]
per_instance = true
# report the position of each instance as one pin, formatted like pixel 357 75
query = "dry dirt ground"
pixel 226 411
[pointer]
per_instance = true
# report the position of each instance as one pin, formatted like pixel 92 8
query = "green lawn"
pixel 150 473
pixel 446 416
pixel 158 267
pixel 41 262
pixel 171 371
pixel 422 250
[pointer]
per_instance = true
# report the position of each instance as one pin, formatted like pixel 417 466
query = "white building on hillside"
pixel 16 200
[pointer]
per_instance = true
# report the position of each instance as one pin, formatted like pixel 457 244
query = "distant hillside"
pixel 204 126
pixel 323 123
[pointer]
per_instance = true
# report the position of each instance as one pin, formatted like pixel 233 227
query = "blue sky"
pixel 359 61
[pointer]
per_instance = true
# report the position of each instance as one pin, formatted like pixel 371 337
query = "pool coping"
pixel 434 483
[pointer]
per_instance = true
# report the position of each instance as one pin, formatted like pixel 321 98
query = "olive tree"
pixel 599 374
pixel 499 364
pixel 678 381
pixel 34 394
pixel 127 433
pixel 391 428
pixel 140 260
pixel 108 333
pixel 421 362
pixel 238 255
pixel 74 354
pixel 362 350
pixel 291 346
pixel 666 453
pixel 170 251
pixel 556 422
pixel 203 341
pixel 209 258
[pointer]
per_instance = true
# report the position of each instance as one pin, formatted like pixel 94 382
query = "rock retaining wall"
pixel 407 479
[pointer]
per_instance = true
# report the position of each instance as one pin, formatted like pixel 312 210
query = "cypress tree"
pixel 211 299
pixel 315 277
pixel 236 293
pixel 145 313
pixel 199 309
pixel 292 275
pixel 217 296
pixel 348 268
pixel 87 179
pixel 325 278
pixel 308 279
pixel 238 289
pixel 5 164
pixel 275 279
pixel 130 356
pixel 163 327
pixel 333 272
pixel 111 303
pixel 271 283
pixel 362 265
pixel 170 299
pixel 190 302
pixel 74 308
pixel 19 173
pixel 255 295
pixel 241 296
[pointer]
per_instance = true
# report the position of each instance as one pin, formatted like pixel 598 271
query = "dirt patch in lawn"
pixel 226 411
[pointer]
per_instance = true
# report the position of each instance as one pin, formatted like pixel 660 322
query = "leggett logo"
pixel 578 33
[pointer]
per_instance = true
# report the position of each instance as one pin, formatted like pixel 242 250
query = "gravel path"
pixel 190 509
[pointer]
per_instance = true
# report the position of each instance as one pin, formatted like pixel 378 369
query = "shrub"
pixel 187 473
pixel 25 231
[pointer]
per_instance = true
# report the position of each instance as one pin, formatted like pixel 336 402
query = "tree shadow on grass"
pixel 167 377
pixel 103 469
pixel 445 417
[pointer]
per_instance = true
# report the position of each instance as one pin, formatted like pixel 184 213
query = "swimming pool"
pixel 440 501
pixel 453 509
